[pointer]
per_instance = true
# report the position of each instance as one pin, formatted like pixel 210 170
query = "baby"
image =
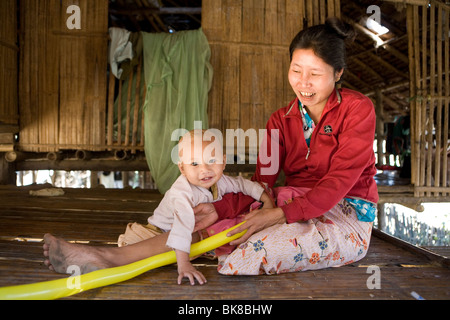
pixel 201 164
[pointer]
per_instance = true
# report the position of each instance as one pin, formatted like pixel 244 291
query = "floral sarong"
pixel 334 239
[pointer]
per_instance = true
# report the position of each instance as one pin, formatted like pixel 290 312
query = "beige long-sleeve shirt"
pixel 175 212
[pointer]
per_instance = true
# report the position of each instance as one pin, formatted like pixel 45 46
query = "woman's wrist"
pixel 280 216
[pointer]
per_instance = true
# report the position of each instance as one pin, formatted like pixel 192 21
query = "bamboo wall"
pixel 249 42
pixel 8 62
pixel 62 75
pixel 429 54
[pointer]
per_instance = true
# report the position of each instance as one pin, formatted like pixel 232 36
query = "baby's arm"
pixel 248 187
pixel 266 200
pixel 186 269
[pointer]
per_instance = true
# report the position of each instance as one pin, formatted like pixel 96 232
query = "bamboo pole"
pixel 432 92
pixel 337 7
pixel 136 105
pixel 445 155
pixel 142 141
pixel 438 124
pixel 413 92
pixel 112 82
pixel 119 114
pixel 127 124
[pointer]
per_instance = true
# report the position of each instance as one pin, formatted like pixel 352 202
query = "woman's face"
pixel 312 79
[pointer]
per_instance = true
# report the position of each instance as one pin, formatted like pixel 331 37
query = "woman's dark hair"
pixel 327 41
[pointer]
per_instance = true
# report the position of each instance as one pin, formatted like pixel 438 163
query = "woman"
pixel 325 148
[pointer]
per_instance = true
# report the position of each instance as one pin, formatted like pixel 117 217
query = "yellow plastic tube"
pixel 65 287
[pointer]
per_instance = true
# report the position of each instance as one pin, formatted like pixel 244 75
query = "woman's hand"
pixel 258 220
pixel 205 215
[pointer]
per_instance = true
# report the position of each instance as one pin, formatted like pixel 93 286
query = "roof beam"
pixel 165 10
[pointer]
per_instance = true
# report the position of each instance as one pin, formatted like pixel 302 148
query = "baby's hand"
pixel 187 270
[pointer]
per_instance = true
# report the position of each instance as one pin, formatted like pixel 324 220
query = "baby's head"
pixel 201 157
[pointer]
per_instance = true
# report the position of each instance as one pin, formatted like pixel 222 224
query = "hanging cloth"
pixel 178 76
pixel 120 49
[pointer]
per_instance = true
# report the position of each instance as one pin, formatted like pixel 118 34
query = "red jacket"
pixel 339 163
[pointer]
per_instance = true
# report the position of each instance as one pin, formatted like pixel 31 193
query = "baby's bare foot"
pixel 60 255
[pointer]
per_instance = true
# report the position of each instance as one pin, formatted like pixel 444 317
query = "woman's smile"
pixel 307 94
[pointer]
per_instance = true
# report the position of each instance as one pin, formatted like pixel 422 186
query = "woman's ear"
pixel 338 75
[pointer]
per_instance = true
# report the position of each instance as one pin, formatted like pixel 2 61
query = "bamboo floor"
pixel 98 216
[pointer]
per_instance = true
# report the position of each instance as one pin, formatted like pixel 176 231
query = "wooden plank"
pixel 230 87
pixel 330 8
pixel 323 11
pixel 49 73
pixel 212 22
pixel 232 19
pixel 253 28
pixel 295 13
pixel 337 8
pixel 251 87
pixel 414 250
pixel 27 93
pixel 8 63
pixel 215 107
pixel 99 215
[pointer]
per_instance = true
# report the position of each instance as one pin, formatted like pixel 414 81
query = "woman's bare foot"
pixel 61 254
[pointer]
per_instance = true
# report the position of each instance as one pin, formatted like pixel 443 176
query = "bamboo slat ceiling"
pixel 374 61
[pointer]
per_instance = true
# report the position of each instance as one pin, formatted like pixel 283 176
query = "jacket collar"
pixel 333 100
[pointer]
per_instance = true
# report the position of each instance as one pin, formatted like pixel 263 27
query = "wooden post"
pixel 381 216
pixel 380 125
pixel 94 179
pixel 7 171
pixel 8 64
pixel 125 179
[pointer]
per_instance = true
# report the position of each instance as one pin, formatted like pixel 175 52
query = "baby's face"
pixel 201 166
